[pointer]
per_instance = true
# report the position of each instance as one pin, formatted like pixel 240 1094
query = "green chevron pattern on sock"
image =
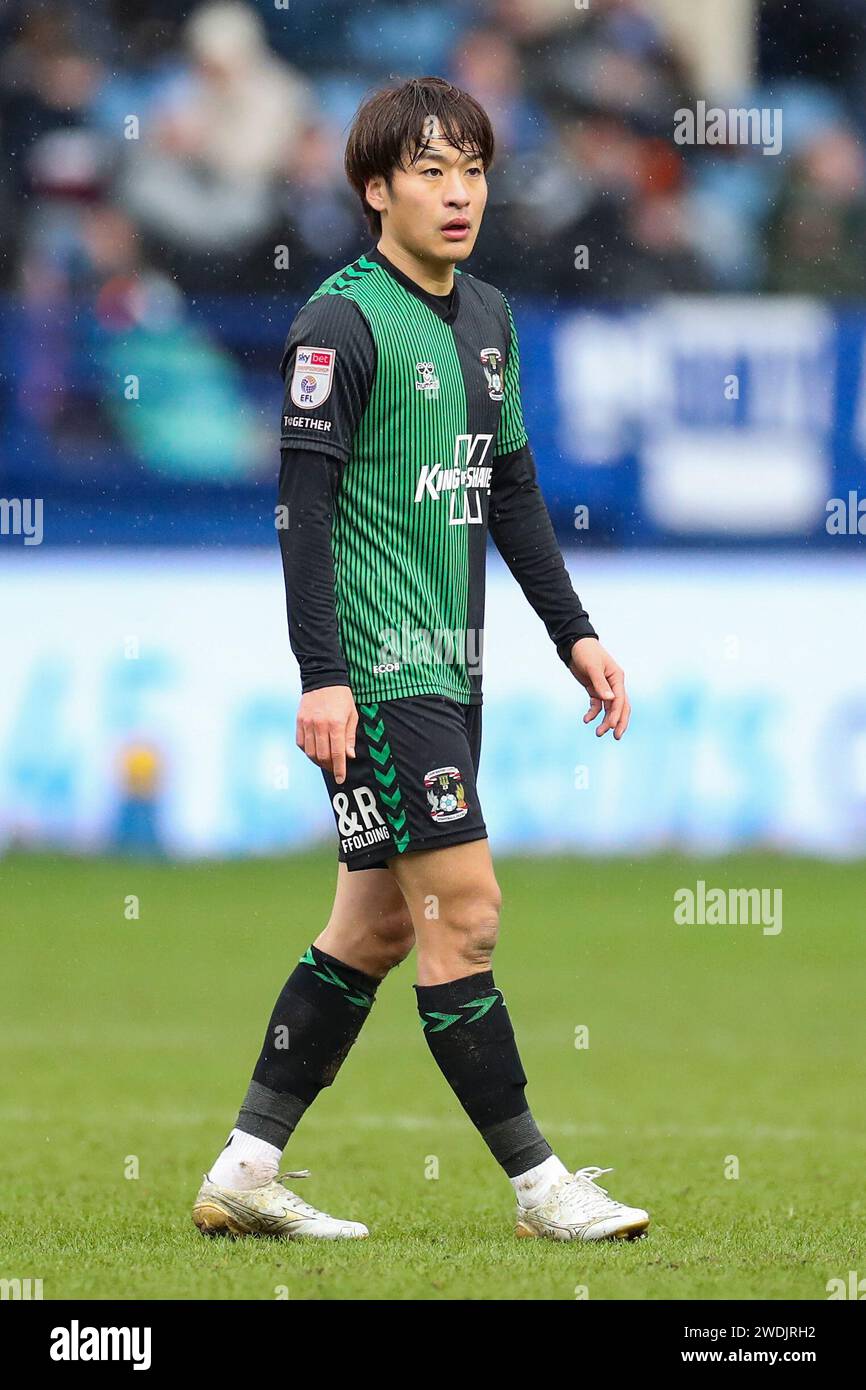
pixel 480 1005
pixel 330 976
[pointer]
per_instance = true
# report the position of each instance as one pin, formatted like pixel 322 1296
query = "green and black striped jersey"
pixel 416 395
pixel 402 438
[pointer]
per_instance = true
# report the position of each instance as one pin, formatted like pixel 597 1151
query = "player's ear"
pixel 375 193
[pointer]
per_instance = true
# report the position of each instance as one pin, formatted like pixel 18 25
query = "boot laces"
pixel 584 1195
pixel 300 1204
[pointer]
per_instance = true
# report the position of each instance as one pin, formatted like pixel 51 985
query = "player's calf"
pixel 316 1019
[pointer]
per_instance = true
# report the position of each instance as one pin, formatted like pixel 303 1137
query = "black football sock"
pixel 314 1023
pixel 468 1030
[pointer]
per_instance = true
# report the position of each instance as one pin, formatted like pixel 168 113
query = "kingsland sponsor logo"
pixel 467 471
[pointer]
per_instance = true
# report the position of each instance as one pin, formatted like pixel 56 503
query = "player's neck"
pixel 435 277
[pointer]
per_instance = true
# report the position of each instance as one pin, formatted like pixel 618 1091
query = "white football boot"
pixel 576 1208
pixel 270 1210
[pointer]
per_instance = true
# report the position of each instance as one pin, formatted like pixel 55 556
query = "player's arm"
pixel 327 718
pixel 523 533
pixel 327 366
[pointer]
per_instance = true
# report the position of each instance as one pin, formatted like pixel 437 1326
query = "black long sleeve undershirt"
pixel 520 525
pixel 308 486
pixel 518 522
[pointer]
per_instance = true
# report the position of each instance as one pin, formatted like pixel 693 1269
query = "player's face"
pixel 435 205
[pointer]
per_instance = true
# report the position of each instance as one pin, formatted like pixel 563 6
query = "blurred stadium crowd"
pixel 183 142
pixel 172 190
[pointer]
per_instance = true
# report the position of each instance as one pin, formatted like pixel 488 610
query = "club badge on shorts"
pixel 445 794
pixel 313 376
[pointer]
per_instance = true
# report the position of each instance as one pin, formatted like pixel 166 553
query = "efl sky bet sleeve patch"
pixel 313 376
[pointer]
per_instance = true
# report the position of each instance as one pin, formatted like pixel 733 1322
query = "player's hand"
pixel 599 674
pixel 325 728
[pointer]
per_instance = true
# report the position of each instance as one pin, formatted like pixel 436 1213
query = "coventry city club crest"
pixel 491 361
pixel 428 381
pixel 445 794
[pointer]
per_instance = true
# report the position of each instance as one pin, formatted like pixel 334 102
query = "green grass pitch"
pixel 127 1046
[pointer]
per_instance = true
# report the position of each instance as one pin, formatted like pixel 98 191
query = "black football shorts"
pixel 411 784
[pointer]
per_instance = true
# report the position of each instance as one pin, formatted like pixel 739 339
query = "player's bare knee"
pixel 479 942
pixel 474 927
pixel 393 937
